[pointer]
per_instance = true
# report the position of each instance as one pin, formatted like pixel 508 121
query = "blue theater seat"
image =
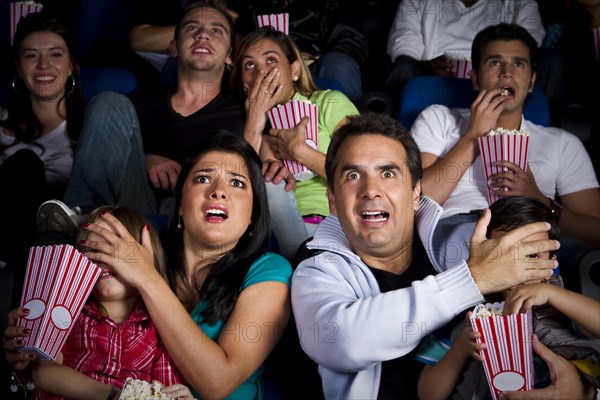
pixel 100 79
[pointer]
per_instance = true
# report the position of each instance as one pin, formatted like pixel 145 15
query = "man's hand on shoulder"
pixel 162 171
pixel 499 264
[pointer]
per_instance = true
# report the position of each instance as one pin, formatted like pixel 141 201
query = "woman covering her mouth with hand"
pixel 269 71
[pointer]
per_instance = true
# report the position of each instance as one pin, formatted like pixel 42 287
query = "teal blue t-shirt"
pixel 269 267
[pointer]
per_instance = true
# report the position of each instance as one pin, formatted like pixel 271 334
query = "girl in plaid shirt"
pixel 114 337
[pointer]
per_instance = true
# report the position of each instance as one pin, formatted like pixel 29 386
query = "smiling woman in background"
pixel 39 128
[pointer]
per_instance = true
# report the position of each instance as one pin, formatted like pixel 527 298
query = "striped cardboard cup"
pixel 511 147
pixel 280 22
pixel 287 116
pixel 20 9
pixel 508 357
pixel 58 281
pixel 461 64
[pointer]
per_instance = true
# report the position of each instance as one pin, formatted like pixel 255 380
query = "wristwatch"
pixel 555 208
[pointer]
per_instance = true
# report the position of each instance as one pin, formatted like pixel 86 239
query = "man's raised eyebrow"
pixel 383 167
pixel 350 167
pixel 389 166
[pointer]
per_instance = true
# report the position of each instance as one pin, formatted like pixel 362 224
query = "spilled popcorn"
pixel 136 389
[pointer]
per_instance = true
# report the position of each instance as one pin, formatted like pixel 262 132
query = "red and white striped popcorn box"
pixel 287 116
pixel 461 64
pixel 508 357
pixel 20 9
pixel 502 144
pixel 58 281
pixel 281 22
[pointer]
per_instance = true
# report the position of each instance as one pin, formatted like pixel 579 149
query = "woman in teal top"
pixel 270 71
pixel 218 271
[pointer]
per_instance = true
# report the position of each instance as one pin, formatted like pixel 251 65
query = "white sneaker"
pixel 54 215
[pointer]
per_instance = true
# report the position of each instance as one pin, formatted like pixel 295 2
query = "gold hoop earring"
pixel 14 86
pixel 72 85
pixel 179 225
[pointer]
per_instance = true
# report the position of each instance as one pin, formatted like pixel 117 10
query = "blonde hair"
pixel 134 222
pixel 305 83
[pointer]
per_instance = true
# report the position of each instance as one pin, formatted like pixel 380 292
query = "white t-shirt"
pixel 558 160
pixel 57 154
pixel 425 29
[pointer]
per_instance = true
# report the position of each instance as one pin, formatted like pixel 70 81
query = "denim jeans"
pixel 286 222
pixel 342 68
pixel 109 166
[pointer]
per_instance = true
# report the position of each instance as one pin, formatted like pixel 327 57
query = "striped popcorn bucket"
pixel 508 358
pixel 287 116
pixel 281 22
pixel 507 147
pixel 58 281
pixel 20 9
pixel 461 64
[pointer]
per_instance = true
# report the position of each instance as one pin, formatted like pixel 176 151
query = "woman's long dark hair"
pixel 21 120
pixel 225 275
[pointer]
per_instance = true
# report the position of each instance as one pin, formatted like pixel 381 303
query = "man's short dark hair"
pixel 216 5
pixel 504 32
pixel 512 212
pixel 374 124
